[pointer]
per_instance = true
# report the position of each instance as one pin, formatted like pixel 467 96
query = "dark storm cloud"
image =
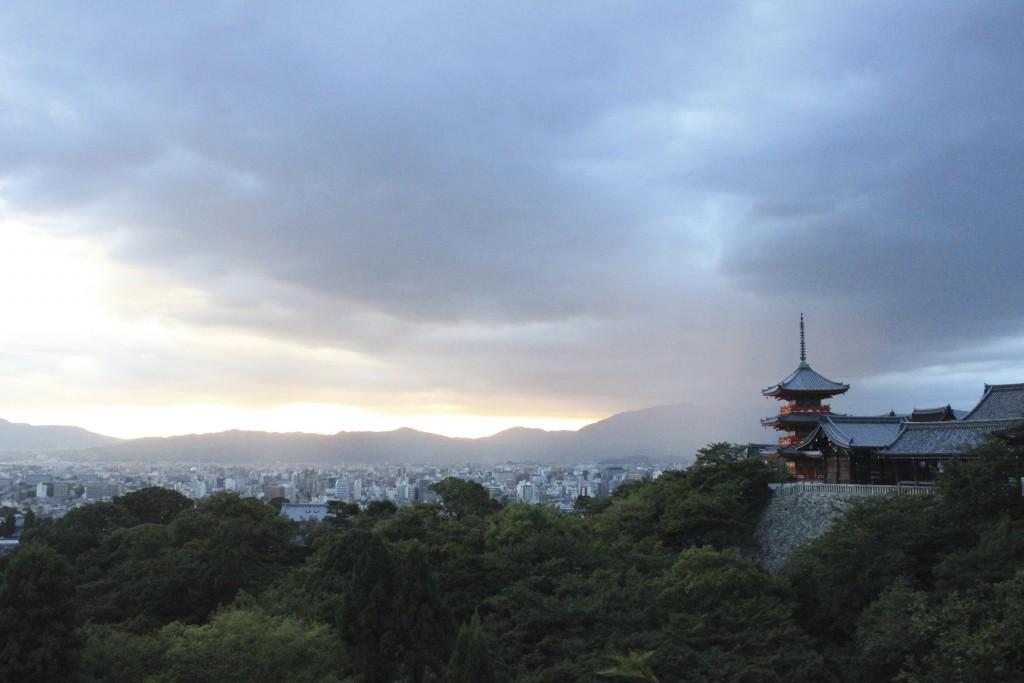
pixel 621 201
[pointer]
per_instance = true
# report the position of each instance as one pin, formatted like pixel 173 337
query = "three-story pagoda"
pixel 803 392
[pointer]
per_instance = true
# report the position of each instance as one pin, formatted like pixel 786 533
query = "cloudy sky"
pixel 465 216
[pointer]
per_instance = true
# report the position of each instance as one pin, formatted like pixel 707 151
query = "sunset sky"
pixel 461 217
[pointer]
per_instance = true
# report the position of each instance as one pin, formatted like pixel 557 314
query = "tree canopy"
pixel 651 583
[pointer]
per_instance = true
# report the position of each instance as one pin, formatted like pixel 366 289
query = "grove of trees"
pixel 653 583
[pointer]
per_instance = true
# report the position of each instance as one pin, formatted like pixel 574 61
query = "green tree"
pixel 423 622
pixel 238 645
pixel 719 453
pixel 8 523
pixel 82 529
pixel 715 503
pixel 723 618
pixel 980 635
pixel 226 544
pixel 381 508
pixel 471 661
pixel 894 635
pixel 28 519
pixel 37 617
pixel 112 655
pixel 341 511
pixel 154 505
pixel 589 505
pixel 984 487
pixel 136 578
pixel 243 646
pixel 460 498
pixel 633 666
pixel 878 542
pixel 368 626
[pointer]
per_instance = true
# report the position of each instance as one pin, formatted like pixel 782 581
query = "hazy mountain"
pixel 16 436
pixel 659 433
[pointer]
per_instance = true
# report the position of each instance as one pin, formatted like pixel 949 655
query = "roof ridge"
pixel 950 424
pixel 869 418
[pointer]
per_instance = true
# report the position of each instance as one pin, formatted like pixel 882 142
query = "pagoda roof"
pixel 1000 401
pixel 804 380
pixel 945 438
pixel 852 431
pixel 771 452
pixel 792 419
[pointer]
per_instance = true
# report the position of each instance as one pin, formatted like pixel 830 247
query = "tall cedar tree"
pixel 424 622
pixel 368 626
pixel 471 660
pixel 393 621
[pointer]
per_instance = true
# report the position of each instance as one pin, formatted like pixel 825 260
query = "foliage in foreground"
pixel 923 588
pixel 154 588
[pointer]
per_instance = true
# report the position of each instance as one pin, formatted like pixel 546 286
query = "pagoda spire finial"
pixel 803 343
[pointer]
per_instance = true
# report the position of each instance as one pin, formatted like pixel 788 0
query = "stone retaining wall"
pixel 799 513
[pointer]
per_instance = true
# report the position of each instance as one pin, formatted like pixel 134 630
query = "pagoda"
pixel 803 391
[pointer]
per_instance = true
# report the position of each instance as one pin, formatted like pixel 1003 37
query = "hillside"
pixel 653 434
pixel 15 436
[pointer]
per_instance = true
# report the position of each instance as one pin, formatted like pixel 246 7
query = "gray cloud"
pixel 600 204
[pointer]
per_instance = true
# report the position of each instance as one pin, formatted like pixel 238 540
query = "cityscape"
pixel 47 487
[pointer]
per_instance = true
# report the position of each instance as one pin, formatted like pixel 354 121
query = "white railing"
pixel 849 490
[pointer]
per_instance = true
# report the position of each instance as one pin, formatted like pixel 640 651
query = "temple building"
pixel 819 445
pixel 803 392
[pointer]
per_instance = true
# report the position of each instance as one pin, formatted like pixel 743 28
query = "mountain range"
pixel 17 436
pixel 654 434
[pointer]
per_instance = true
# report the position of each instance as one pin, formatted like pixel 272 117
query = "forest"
pixel 654 583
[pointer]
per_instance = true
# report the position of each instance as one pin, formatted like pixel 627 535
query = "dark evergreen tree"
pixel 368 626
pixel 37 617
pixel 381 508
pixel 424 622
pixel 471 661
pixel 8 524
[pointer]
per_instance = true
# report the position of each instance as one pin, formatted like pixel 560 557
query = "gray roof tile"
pixel 805 379
pixel 944 438
pixel 861 432
pixel 1000 401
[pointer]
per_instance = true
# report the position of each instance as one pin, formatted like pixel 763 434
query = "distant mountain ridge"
pixel 660 433
pixel 18 436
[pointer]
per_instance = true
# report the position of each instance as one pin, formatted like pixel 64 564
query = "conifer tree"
pixel 368 626
pixel 471 659
pixel 424 622
pixel 8 525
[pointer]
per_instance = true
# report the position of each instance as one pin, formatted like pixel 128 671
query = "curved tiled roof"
pixel 944 438
pixel 1000 401
pixel 791 419
pixel 862 432
pixel 851 431
pixel 805 380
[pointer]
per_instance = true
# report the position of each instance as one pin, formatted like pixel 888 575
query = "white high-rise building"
pixel 526 491
pixel 343 490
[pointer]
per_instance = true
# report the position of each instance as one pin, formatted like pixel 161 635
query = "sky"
pixel 465 216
